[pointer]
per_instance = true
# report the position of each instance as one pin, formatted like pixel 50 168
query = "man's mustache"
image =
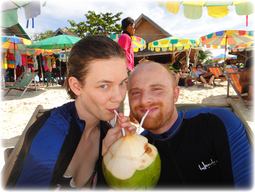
pixel 153 105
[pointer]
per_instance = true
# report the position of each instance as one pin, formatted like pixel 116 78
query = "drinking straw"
pixel 123 131
pixel 142 121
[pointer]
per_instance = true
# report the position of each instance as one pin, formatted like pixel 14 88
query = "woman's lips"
pixel 112 110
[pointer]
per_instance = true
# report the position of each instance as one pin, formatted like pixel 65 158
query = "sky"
pixel 56 14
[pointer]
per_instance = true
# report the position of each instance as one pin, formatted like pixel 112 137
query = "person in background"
pixel 203 147
pixel 185 78
pixel 65 146
pixel 247 78
pixel 175 69
pixel 204 75
pixel 125 41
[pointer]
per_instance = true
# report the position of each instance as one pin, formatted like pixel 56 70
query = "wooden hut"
pixel 151 31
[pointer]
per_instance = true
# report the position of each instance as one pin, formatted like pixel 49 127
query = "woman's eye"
pixel 103 86
pixel 123 83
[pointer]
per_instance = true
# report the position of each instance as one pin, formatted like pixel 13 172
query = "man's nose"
pixel 146 98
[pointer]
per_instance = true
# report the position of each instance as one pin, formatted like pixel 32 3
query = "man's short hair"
pixel 126 22
pixel 249 63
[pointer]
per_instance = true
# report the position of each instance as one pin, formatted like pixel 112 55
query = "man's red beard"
pixel 150 123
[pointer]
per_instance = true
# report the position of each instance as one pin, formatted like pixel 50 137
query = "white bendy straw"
pixel 141 124
pixel 123 131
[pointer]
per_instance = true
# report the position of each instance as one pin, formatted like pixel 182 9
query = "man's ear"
pixel 176 93
pixel 75 86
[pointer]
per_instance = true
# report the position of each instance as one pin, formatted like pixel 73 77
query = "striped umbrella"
pixel 223 39
pixel 216 9
pixel 222 56
pixel 172 43
pixel 139 44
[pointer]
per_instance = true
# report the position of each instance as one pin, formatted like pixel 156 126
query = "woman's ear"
pixel 75 85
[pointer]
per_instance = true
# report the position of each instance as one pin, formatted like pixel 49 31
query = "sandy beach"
pixel 16 112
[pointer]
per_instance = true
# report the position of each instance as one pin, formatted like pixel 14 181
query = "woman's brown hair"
pixel 85 51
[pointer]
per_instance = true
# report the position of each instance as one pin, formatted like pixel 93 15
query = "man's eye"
pixel 135 92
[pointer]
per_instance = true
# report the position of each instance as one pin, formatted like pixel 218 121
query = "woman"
pixel 65 146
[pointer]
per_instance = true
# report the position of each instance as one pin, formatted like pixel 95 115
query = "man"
pixel 205 147
pixel 203 76
pixel 246 79
pixel 125 41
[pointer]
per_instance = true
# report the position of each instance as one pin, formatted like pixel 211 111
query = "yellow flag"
pixel 173 6
pixel 217 11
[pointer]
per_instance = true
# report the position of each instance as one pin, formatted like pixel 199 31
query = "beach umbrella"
pixel 56 42
pixel 172 44
pixel 9 11
pixel 138 42
pixel 15 45
pixel 222 56
pixel 216 9
pixel 223 39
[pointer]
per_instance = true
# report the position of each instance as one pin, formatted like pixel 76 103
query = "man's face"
pixel 199 68
pixel 151 87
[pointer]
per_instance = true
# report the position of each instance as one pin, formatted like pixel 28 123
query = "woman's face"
pixel 104 89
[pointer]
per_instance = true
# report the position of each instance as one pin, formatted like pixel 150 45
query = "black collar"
pixel 126 32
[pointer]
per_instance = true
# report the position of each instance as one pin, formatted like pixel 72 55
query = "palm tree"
pixel 204 55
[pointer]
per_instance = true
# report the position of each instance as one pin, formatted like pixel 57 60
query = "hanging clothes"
pixel 18 71
pixel 53 62
pixel 45 66
pixel 49 62
pixel 10 60
pixel 24 59
pixel 35 62
pixel 18 60
pixel 4 61
pixel 30 63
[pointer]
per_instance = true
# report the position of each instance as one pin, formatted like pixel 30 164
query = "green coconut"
pixel 132 163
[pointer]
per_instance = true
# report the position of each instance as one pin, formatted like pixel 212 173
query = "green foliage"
pixel 97 24
pixel 203 56
pixel 41 36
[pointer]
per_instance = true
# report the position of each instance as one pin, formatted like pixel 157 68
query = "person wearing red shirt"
pixel 125 41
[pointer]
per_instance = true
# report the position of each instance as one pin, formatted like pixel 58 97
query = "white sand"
pixel 16 112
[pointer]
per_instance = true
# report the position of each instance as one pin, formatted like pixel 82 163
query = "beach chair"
pixel 230 70
pixel 197 80
pixel 218 73
pixel 23 83
pixel 233 79
pixel 11 154
pixel 3 73
pixel 50 77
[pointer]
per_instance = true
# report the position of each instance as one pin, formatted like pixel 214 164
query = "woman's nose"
pixel 118 95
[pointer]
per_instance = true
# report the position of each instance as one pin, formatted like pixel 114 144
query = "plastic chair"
pixel 50 77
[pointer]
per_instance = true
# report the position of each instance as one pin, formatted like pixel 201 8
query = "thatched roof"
pixel 16 30
pixel 61 31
